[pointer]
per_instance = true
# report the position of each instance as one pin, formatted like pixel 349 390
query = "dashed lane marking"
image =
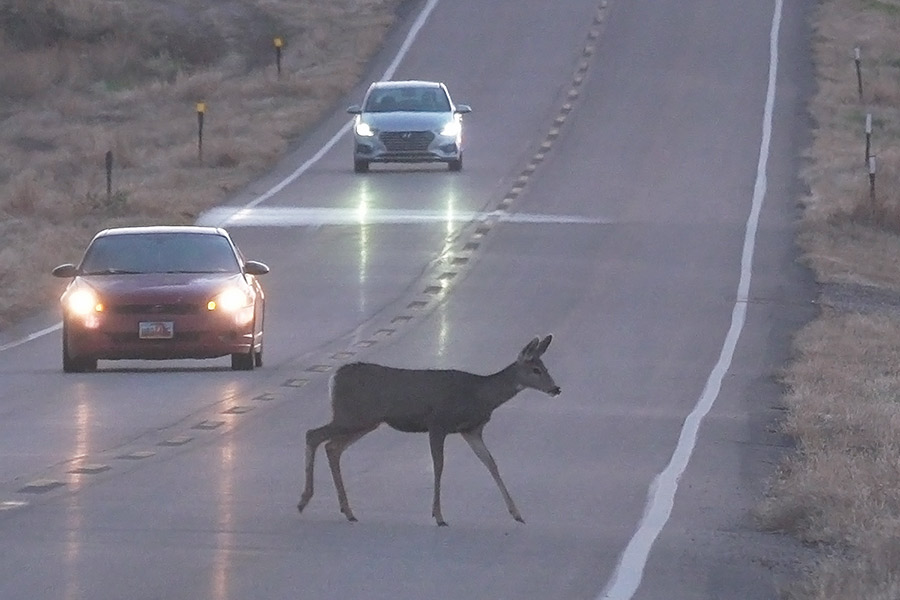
pixel 139 455
pixel 40 486
pixel 90 469
pixel 179 440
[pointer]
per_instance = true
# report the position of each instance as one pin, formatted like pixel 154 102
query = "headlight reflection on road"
pixel 363 209
pixel 74 587
pixel 222 561
pixel 451 231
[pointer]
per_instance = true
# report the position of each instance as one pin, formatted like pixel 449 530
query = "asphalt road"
pixel 617 156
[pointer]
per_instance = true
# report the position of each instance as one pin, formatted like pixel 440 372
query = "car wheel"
pixel 75 365
pixel 456 165
pixel 257 357
pixel 243 362
pixel 360 166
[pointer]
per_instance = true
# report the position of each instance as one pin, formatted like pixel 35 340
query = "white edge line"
pixel 661 497
pixel 392 68
pixel 30 337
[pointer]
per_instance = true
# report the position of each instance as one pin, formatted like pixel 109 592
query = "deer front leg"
pixel 314 437
pixel 436 440
pixel 333 449
pixel 473 437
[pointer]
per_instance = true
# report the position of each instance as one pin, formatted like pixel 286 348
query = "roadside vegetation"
pixel 839 491
pixel 80 79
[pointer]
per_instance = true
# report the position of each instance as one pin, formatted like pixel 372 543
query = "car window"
pixel 160 253
pixel 412 99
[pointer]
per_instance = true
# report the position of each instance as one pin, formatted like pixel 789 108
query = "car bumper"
pixel 117 337
pixel 439 149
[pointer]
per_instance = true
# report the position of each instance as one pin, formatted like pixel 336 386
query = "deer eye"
pixel 535 370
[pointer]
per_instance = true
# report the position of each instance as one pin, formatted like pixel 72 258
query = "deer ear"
pixel 528 351
pixel 542 347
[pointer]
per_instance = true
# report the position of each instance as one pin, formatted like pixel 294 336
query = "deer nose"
pixel 555 391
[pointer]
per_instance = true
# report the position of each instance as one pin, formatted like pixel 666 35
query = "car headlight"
pixel 452 128
pixel 231 300
pixel 83 302
pixel 363 129
pixel 235 302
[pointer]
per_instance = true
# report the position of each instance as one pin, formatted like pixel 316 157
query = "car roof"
pixel 406 83
pixel 162 229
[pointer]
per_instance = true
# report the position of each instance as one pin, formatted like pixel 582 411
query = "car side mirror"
pixel 354 109
pixel 462 109
pixel 66 270
pixel 254 267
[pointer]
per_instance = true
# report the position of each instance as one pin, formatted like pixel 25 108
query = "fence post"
pixel 868 137
pixel 109 166
pixel 872 181
pixel 201 110
pixel 859 83
pixel 278 42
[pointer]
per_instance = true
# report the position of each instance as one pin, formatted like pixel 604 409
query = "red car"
pixel 162 293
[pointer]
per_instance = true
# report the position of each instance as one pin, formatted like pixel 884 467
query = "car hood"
pixel 407 121
pixel 160 287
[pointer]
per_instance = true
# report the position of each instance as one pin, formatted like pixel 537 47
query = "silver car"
pixel 407 121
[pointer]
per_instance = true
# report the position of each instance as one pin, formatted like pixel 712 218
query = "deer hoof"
pixel 442 523
pixel 519 519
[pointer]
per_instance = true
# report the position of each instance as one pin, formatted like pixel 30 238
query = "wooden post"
pixel 109 166
pixel 872 181
pixel 859 83
pixel 201 110
pixel 278 42
pixel 868 137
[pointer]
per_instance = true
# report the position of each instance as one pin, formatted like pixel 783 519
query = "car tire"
pixel 456 165
pixel 243 362
pixel 75 365
pixel 360 166
pixel 257 358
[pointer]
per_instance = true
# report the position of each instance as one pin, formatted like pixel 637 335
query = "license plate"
pixel 156 330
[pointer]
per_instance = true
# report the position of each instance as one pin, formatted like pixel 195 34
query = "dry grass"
pixel 78 79
pixel 841 489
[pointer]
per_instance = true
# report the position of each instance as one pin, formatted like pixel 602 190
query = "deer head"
pixel 530 369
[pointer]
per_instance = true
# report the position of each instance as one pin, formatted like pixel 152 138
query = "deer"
pixel 434 401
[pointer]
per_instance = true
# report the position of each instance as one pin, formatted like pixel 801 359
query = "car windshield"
pixel 160 253
pixel 412 99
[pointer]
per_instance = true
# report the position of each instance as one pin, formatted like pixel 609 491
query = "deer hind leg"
pixel 334 447
pixel 476 442
pixel 436 439
pixel 314 437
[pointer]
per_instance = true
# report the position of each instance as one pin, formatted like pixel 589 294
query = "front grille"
pixel 155 309
pixel 406 141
